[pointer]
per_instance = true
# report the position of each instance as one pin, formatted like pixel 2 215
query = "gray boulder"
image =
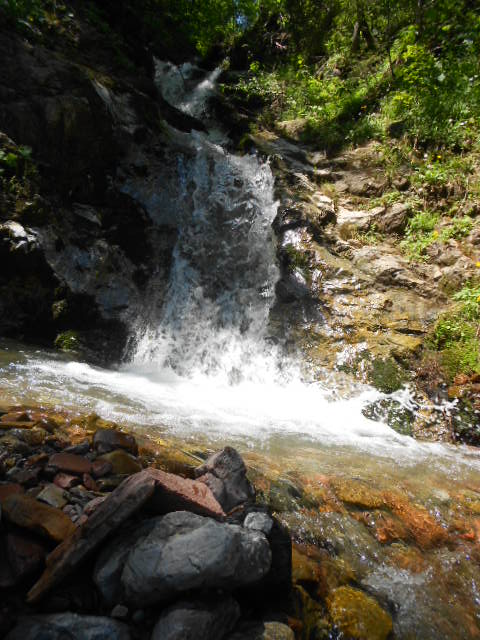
pixel 226 475
pixel 197 620
pixel 109 566
pixel 68 626
pixel 185 551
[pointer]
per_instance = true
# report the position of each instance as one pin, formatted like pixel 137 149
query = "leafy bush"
pixel 457 334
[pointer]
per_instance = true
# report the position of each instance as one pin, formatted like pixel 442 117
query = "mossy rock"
pixel 386 375
pixel 68 341
pixel 398 417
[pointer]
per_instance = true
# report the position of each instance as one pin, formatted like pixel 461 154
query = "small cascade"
pixel 215 316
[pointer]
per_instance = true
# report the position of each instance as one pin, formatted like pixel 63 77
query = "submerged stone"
pixel 358 616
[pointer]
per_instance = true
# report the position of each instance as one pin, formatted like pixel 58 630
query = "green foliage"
pixel 456 334
pixel 67 341
pixel 422 232
pixel 15 162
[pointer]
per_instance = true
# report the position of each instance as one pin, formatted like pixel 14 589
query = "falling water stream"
pixel 205 369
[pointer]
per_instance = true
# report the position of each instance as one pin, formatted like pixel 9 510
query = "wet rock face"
pixel 83 245
pixel 185 551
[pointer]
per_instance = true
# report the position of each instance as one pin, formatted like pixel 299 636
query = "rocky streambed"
pixel 95 546
pixel 109 535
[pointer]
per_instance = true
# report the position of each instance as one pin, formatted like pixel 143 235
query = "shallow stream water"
pixel 400 518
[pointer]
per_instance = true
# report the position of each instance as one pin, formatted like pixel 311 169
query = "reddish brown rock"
pixel 9 489
pixel 70 463
pixel 164 492
pixel 65 480
pixel 89 483
pixel 101 468
pixel 174 493
pixel 31 514
pixel 106 440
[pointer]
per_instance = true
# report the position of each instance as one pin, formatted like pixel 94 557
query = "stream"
pixel 400 518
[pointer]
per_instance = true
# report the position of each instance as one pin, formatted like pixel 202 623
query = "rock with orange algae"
pixel 386 528
pixel 408 558
pixel 423 527
pixel 358 616
pixel 358 494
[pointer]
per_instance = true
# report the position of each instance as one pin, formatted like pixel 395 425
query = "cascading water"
pixel 215 316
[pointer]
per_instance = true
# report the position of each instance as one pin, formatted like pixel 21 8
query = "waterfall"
pixel 215 316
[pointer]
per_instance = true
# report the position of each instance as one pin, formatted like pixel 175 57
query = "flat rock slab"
pixel 185 551
pixel 69 626
pixel 70 463
pixel 197 620
pixel 31 514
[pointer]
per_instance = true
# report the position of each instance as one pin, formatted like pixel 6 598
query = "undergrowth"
pixel 456 336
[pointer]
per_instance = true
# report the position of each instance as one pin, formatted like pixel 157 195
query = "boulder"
pixel 226 475
pixel 109 566
pixel 68 626
pixel 106 440
pixel 185 551
pixel 197 620
pixel 31 514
